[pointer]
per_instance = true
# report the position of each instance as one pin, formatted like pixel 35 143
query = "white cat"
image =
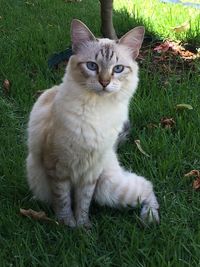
pixel 73 128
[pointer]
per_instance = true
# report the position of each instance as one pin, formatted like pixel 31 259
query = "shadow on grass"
pixel 123 22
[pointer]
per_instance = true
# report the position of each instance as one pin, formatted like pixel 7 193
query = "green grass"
pixel 30 32
pixel 159 18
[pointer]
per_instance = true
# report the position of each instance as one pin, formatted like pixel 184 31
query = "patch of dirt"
pixel 169 57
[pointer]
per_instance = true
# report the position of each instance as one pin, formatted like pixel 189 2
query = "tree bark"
pixel 107 27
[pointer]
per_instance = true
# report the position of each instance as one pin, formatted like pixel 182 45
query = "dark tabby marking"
pixel 123 134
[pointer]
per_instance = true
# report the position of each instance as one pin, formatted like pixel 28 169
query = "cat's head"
pixel 104 65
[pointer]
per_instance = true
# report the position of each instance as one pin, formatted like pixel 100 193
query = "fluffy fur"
pixel 73 129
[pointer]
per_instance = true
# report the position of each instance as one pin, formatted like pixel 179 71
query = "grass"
pixel 160 18
pixel 31 31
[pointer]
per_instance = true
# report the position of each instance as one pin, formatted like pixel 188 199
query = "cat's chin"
pixel 105 92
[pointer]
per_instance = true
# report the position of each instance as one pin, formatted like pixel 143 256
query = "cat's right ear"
pixel 80 34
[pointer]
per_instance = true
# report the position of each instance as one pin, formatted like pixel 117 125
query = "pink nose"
pixel 104 83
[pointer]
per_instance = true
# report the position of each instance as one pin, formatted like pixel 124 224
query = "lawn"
pixel 30 32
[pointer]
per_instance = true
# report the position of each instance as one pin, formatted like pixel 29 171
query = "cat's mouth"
pixel 104 91
pixel 100 90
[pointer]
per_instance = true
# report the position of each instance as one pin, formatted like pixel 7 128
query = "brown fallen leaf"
pixel 182 28
pixel 137 142
pixel 6 86
pixel 163 47
pixel 193 173
pixel 167 122
pixel 36 215
pixel 196 182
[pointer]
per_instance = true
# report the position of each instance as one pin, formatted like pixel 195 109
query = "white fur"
pixel 86 125
pixel 72 131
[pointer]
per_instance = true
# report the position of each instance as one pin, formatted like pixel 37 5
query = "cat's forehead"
pixel 103 50
pixel 106 50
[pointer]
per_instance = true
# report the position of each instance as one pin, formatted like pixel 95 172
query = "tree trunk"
pixel 107 28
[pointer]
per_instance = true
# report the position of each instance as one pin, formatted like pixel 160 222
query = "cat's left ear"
pixel 133 40
pixel 80 34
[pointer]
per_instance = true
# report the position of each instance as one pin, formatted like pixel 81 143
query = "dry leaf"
pixel 6 86
pixel 193 173
pixel 184 106
pixel 163 47
pixel 36 215
pixel 167 122
pixel 182 28
pixel 196 184
pixel 137 142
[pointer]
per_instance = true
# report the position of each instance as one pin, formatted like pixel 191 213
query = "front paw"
pixel 86 223
pixel 71 222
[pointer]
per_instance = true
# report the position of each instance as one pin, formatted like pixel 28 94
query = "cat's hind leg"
pixel 50 190
pixel 117 187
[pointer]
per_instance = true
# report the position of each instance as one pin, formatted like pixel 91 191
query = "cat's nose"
pixel 104 83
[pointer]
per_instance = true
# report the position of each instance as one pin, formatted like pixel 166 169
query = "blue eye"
pixel 118 68
pixel 91 65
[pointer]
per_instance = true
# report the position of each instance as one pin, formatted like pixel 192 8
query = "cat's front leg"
pixel 61 201
pixel 83 197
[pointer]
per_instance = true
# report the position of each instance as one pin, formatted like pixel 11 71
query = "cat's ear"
pixel 133 40
pixel 80 34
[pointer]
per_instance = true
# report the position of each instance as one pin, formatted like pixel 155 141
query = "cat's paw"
pixel 71 222
pixel 149 215
pixel 150 210
pixel 86 223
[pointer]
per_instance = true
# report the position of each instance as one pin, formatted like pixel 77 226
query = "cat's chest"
pixel 92 129
pixel 90 132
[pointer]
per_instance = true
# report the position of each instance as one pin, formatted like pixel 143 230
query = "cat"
pixel 74 128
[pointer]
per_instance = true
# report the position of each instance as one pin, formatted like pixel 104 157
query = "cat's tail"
pixel 37 179
pixel 117 187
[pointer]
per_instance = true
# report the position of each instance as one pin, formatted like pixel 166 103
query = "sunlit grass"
pixel 161 18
